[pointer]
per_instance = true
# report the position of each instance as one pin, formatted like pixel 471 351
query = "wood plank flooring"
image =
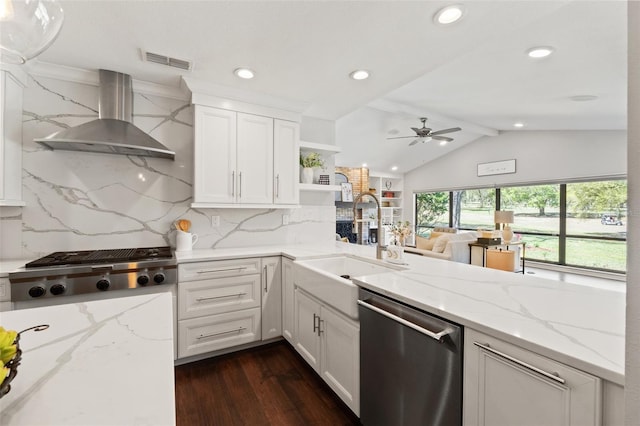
pixel 268 385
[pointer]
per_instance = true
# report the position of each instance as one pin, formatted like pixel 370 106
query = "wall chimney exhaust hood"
pixel 113 131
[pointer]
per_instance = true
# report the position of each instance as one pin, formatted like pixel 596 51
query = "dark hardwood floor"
pixel 268 385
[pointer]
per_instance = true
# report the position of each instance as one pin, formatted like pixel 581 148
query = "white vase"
pixel 307 175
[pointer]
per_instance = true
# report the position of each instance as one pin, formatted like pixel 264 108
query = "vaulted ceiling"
pixel 473 74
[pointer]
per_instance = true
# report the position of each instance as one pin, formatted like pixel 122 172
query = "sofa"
pixel 446 244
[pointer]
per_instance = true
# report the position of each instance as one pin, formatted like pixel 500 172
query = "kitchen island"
pixel 102 362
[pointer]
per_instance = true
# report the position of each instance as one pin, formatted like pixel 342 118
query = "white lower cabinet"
pixel 271 298
pixel 330 343
pixel 226 303
pixel 508 385
pixel 288 318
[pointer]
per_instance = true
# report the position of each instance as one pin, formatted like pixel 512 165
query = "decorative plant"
pixel 311 160
pixel 401 231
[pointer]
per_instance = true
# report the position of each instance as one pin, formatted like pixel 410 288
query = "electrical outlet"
pixel 215 221
pixel 285 219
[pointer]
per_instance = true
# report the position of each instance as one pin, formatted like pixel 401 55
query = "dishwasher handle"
pixel 439 336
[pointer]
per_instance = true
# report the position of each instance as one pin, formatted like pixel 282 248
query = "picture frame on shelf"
pixel 347 191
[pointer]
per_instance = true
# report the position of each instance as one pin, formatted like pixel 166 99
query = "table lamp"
pixel 504 217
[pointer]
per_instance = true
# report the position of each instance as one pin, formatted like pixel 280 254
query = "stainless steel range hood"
pixel 113 131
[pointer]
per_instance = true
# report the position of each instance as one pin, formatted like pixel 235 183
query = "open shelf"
pixel 314 146
pixel 319 188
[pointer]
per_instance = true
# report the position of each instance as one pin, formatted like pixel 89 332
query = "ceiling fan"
pixel 425 134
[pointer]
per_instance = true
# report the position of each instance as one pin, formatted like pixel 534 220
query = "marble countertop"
pixel 579 325
pixel 103 362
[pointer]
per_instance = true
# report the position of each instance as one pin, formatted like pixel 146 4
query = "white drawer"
pixel 215 296
pixel 217 269
pixel 207 334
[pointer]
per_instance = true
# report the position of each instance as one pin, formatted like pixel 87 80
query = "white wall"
pixel 540 156
pixel 82 201
pixel 632 370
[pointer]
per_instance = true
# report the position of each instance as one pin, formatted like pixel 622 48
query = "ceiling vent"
pixel 166 60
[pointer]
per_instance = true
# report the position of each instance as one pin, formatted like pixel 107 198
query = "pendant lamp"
pixel 27 28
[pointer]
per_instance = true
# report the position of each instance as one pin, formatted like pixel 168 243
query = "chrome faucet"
pixel 379 247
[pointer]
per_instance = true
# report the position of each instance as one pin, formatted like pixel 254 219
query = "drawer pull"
pixel 236 330
pixel 200 299
pixel 502 355
pixel 209 271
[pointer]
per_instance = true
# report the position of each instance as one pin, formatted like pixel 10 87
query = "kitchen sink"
pixel 329 279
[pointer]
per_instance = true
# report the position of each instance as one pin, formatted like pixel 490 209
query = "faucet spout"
pixel 379 247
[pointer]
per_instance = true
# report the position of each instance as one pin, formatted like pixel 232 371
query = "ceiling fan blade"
pixel 402 137
pixel 442 132
pixel 414 142
pixel 442 138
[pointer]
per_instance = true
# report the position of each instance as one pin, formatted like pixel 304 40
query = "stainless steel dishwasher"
pixel 410 365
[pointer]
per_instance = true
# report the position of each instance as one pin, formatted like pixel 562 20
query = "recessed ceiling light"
pixel 518 124
pixel 540 51
pixel 364 164
pixel 394 168
pixel 359 75
pixel 583 98
pixel 245 73
pixel 443 143
pixel 449 15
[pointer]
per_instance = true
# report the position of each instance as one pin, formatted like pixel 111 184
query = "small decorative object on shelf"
pixel 11 355
pixel 308 163
pixel 323 180
pixel 388 184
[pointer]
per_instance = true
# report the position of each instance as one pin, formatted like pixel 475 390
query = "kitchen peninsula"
pixel 101 362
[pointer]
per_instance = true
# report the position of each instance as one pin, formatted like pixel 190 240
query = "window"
pixel 432 209
pixel 536 211
pixel 579 224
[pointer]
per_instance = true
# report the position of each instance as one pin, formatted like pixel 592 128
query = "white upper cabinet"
pixel 215 155
pixel 11 139
pixel 246 154
pixel 286 153
pixel 254 159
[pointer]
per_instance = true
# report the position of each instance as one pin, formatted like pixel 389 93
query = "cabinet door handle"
pixel 528 366
pixel 240 185
pixel 235 330
pixel 277 186
pixel 201 299
pixel 233 183
pixel 315 323
pixel 208 271
pixel 320 322
pixel 264 271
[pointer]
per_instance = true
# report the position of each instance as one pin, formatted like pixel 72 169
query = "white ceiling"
pixel 473 74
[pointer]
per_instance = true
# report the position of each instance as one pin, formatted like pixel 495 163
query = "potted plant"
pixel 308 163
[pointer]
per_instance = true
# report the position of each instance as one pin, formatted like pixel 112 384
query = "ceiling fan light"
pixel 540 52
pixel 449 15
pixel 427 139
pixel 359 75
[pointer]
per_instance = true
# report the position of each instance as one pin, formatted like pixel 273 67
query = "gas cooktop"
pixel 93 257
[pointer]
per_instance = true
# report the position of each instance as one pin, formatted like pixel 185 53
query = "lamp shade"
pixel 503 216
pixel 27 28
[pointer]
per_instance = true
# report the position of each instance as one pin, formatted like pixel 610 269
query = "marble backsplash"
pixel 80 201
